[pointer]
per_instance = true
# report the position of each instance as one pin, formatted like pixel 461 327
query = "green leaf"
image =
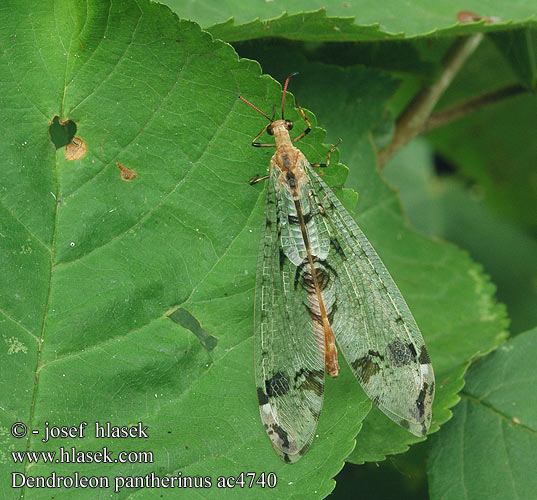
pixel 93 265
pixel 347 21
pixel 446 208
pixel 519 48
pixel 489 449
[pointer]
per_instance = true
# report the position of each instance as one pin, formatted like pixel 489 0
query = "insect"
pixel 319 281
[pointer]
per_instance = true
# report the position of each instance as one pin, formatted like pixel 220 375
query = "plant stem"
pixel 411 122
pixel 448 115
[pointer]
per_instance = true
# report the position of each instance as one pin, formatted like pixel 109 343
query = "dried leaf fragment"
pixel 466 16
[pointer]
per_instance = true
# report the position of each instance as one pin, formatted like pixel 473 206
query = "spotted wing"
pixel 289 358
pixel 373 325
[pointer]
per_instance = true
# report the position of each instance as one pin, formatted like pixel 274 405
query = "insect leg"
pixel 330 151
pixel 255 179
pixel 262 144
pixel 308 129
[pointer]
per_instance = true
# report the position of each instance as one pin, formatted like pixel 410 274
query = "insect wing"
pixel 373 325
pixel 288 357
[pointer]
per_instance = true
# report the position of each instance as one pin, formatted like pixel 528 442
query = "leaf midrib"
pixel 498 413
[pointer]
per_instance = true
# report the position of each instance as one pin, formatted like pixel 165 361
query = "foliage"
pixel 490 445
pixel 152 214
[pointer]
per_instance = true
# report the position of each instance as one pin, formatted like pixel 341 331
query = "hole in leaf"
pixel 186 320
pixel 61 133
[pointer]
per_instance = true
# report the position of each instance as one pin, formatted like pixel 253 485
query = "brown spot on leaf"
pixel 76 149
pixel 126 173
pixel 467 16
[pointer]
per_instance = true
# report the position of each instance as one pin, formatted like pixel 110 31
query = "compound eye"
pixel 269 129
pixel 289 124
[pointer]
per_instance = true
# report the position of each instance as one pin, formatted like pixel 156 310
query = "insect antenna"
pixel 257 109
pixel 285 90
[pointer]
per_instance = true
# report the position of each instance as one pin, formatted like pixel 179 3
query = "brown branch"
pixel 448 115
pixel 411 122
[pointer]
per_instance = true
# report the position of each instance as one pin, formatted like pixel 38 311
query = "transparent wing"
pixel 289 358
pixel 373 325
